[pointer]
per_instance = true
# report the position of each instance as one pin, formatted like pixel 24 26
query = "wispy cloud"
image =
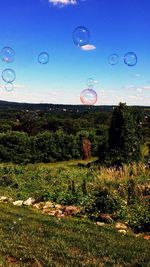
pixel 146 87
pixel 88 47
pixel 62 3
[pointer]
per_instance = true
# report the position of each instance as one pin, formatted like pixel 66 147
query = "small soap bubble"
pixel 9 86
pixel 88 97
pixel 8 75
pixel 130 59
pixel 90 83
pixel 81 36
pixel 113 59
pixel 43 58
pixel 7 54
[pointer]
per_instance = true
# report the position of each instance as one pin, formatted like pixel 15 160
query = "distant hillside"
pixel 4 105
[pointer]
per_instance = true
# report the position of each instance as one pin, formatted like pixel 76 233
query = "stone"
pixel 121 226
pixel 49 204
pixel 100 223
pixel 30 201
pixel 38 205
pixel 48 210
pixel 51 212
pixel 18 203
pixel 58 206
pixel 3 199
pixel 71 210
pixel 122 231
pixel 58 213
pixel 105 218
pixel 10 199
pixel 147 237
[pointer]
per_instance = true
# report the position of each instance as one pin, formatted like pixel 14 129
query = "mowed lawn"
pixel 30 238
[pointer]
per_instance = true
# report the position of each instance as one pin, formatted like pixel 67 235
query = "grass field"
pixel 31 238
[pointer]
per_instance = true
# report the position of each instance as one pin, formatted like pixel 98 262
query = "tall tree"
pixel 124 136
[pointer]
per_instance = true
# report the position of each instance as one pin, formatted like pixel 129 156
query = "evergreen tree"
pixel 124 136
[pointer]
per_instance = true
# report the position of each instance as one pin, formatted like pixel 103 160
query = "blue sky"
pixel 33 26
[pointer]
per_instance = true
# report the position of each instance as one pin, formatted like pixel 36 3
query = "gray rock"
pixel 3 199
pixel 18 203
pixel 30 201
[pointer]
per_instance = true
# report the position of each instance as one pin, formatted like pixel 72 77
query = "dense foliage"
pixel 49 133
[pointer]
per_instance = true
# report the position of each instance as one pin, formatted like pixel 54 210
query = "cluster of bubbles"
pixel 89 96
pixel 81 37
pixel 7 55
pixel 130 59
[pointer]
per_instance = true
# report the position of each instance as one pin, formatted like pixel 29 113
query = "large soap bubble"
pixel 7 54
pixel 8 75
pixel 113 59
pixel 43 58
pixel 90 83
pixel 9 87
pixel 88 97
pixel 130 59
pixel 81 36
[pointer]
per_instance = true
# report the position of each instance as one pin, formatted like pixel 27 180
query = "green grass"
pixel 36 179
pixel 29 237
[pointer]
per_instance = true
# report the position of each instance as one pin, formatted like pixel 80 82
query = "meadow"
pixel 30 238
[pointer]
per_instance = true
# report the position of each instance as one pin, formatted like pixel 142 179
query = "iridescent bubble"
pixel 88 97
pixel 8 75
pixel 90 83
pixel 43 58
pixel 81 36
pixel 113 59
pixel 7 54
pixel 130 59
pixel 9 87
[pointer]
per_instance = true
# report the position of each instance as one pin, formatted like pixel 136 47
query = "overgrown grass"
pixel 123 193
pixel 29 238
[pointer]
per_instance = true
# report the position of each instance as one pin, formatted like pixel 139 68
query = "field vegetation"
pixel 96 162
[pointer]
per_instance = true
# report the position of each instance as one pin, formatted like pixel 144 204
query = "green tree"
pixel 124 136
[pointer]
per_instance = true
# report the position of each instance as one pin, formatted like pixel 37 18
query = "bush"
pixel 101 201
pixel 138 217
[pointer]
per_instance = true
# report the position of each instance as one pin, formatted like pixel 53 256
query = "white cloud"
pixel 88 47
pixel 62 3
pixel 146 87
pixel 20 86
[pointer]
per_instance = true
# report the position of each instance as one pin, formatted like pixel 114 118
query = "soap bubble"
pixel 9 87
pixel 43 58
pixel 90 83
pixel 130 59
pixel 8 75
pixel 7 54
pixel 113 59
pixel 88 97
pixel 81 36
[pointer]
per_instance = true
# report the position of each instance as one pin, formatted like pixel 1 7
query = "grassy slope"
pixel 30 238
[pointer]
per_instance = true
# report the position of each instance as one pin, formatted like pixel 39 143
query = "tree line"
pixel 114 138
